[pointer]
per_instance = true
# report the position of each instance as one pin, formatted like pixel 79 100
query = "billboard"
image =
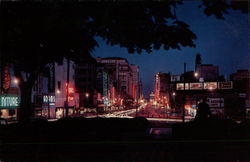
pixel 210 85
pixel 215 102
pixel 196 86
pixel 180 86
pixel 226 85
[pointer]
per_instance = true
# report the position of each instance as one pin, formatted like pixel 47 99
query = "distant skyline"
pixel 220 42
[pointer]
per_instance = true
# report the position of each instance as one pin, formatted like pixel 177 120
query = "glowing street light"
pixel 210 88
pixel 58 91
pixel 196 74
pixel 16 81
pixel 87 95
pixel 174 93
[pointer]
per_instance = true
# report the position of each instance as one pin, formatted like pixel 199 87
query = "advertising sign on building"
pixel 175 78
pixel 105 84
pixel 180 86
pixel 242 95
pixel 49 100
pixel 210 85
pixel 215 102
pixel 6 80
pixel 9 101
pixel 195 86
pixel 217 111
pixel 226 85
pixel 51 78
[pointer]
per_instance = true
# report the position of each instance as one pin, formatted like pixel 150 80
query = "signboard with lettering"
pixel 49 99
pixel 9 101
pixel 51 77
pixel 175 78
pixel 210 85
pixel 205 85
pixel 180 86
pixel 196 86
pixel 215 102
pixel 226 85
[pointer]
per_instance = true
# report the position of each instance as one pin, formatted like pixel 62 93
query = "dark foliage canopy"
pixel 36 33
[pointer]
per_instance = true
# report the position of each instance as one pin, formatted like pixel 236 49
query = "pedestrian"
pixel 203 112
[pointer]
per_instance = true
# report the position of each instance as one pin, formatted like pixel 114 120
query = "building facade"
pixel 135 80
pixel 207 72
pixel 162 88
pixel 85 80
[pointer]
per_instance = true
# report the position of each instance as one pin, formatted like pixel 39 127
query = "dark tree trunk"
pixel 25 105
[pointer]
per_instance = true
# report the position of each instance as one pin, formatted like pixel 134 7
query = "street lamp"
pixel 196 74
pixel 210 88
pixel 87 98
pixel 58 91
pixel 16 81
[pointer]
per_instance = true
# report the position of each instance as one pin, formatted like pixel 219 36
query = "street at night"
pixel 124 81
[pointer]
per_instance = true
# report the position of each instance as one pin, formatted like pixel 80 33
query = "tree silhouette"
pixel 34 34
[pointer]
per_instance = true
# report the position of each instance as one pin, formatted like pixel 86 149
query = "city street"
pixel 147 110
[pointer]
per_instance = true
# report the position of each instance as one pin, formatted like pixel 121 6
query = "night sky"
pixel 220 42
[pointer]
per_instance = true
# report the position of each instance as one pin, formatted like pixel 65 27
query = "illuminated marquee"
pixel 196 86
pixel 180 86
pixel 205 86
pixel 49 99
pixel 226 85
pixel 210 85
pixel 215 102
pixel 9 102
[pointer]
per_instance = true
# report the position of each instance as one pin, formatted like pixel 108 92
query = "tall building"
pixel 135 81
pixel 162 88
pixel 197 60
pixel 240 75
pixel 208 72
pixel 85 80
pixel 121 74
pixel 61 87
pixel 241 81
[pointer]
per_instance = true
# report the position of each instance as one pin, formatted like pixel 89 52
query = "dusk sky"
pixel 220 42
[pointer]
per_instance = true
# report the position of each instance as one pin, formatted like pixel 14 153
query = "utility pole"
pixel 184 94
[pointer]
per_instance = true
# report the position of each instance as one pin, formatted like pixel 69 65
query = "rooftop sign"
pixel 205 85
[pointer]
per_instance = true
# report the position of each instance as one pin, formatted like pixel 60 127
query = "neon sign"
pixel 8 101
